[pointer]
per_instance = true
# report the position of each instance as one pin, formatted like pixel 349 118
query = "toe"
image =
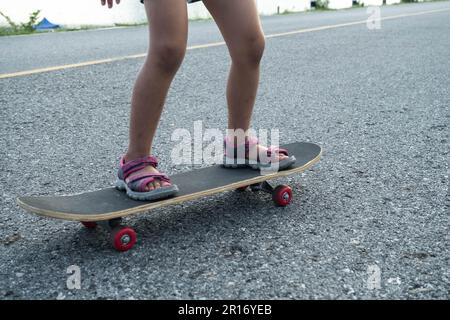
pixel 165 184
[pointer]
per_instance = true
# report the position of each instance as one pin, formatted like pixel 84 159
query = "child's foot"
pixel 142 181
pixel 151 170
pixel 272 156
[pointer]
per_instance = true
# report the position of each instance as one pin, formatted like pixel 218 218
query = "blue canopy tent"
pixel 45 25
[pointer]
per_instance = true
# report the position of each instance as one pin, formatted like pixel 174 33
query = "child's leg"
pixel 168 39
pixel 239 23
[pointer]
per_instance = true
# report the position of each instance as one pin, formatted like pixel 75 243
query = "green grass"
pixel 19 28
pixel 130 24
pixel 7 31
pixel 286 12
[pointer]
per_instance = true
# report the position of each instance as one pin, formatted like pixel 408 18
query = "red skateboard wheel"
pixel 282 195
pixel 123 238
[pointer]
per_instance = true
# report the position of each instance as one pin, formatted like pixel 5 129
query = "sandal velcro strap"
pixel 273 149
pixel 137 164
pixel 250 142
pixel 159 176
pixel 141 181
pixel 231 146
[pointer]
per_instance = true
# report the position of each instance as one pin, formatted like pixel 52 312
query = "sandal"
pixel 135 187
pixel 231 157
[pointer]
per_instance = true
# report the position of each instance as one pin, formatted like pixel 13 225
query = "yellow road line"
pixel 347 24
pixel 68 66
pixel 209 45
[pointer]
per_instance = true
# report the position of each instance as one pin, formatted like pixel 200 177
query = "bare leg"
pixel 168 39
pixel 239 23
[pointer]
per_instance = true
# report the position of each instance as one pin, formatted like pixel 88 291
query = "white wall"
pixel 372 2
pixel 90 12
pixel 197 10
pixel 268 7
pixel 378 2
pixel 339 4
pixel 265 7
pixel 74 12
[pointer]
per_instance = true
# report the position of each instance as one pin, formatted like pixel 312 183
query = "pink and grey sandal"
pixel 233 155
pixel 135 186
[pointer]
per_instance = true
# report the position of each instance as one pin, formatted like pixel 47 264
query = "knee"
pixel 250 53
pixel 168 56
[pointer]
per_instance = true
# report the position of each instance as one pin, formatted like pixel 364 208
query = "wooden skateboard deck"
pixel 109 204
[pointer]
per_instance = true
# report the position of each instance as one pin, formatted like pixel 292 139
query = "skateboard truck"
pixel 124 238
pixel 281 194
pixel 121 238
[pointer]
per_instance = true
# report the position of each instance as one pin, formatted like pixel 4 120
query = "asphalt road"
pixel 376 100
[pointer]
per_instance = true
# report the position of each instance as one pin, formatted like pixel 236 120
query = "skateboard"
pixel 107 206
